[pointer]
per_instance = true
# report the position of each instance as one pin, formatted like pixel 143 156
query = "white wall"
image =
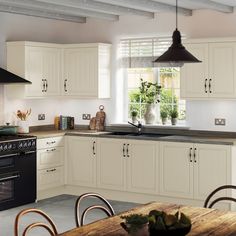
pixel 201 24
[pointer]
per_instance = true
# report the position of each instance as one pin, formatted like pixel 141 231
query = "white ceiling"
pixel 79 10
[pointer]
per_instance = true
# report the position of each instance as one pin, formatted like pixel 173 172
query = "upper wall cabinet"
pixel 87 70
pixel 215 77
pixel 76 70
pixel 38 63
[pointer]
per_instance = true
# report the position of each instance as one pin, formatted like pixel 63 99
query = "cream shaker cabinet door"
pixel 142 163
pixel 211 169
pixel 81 161
pixel 194 76
pixel 111 164
pixel 51 71
pixel 176 169
pixel 34 72
pixel 81 72
pixel 222 77
pixel 50 178
pixel 50 157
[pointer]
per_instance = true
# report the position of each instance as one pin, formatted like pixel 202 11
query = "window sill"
pixel 167 126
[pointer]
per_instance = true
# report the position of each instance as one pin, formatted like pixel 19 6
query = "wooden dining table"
pixel 204 221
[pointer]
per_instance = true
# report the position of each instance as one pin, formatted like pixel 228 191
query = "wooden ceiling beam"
pixel 148 5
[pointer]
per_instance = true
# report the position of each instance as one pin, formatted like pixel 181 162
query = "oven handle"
pixel 10 155
pixel 10 178
pixel 29 152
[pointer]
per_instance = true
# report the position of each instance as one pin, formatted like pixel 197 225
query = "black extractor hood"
pixel 7 77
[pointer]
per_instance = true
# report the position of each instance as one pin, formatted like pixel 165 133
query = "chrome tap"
pixel 139 126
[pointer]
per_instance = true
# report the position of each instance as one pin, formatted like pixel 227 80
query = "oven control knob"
pixel 29 144
pixel 9 147
pixel 33 143
pixel 25 144
pixel 5 147
pixel 1 147
pixel 20 145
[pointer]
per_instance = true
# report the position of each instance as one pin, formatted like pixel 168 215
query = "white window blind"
pixel 140 53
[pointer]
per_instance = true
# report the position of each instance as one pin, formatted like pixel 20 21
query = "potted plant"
pixel 164 116
pixel 134 114
pixel 150 94
pixel 135 224
pixel 174 115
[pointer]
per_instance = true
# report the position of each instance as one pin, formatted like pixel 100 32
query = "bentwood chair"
pixel 50 227
pixel 208 199
pixel 106 207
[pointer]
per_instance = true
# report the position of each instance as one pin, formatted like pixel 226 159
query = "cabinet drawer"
pixel 53 156
pixel 50 178
pixel 50 142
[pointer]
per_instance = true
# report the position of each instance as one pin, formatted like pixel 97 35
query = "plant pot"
pixel 23 126
pixel 134 119
pixel 150 114
pixel 164 120
pixel 142 230
pixel 174 121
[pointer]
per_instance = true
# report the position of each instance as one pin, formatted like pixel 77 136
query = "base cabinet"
pixel 111 164
pixel 142 166
pixel 193 170
pixel 81 161
pixel 50 163
pixel 50 178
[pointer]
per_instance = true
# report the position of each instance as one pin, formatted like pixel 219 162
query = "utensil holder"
pixel 23 126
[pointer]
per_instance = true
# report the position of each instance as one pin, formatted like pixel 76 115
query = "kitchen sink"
pixel 139 135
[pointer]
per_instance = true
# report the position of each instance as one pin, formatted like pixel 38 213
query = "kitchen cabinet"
pixel 111 164
pixel 142 166
pixel 215 77
pixel 81 161
pixel 50 163
pixel 38 63
pixel 193 170
pixel 87 70
pixel 127 165
pixel 71 70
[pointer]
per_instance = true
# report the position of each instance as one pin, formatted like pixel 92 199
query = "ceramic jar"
pixel 23 126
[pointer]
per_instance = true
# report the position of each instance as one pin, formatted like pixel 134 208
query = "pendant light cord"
pixel 176 11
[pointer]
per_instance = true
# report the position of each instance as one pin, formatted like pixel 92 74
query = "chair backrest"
pixel 208 199
pixel 107 209
pixel 50 227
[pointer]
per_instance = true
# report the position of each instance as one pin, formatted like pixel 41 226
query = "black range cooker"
pixel 17 170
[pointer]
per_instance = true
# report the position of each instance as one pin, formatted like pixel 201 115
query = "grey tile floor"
pixel 60 209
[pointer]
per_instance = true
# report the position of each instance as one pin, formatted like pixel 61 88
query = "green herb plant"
pixel 134 222
pixel 134 113
pixel 174 113
pixel 150 92
pixel 163 114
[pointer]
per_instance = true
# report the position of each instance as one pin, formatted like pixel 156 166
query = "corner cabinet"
pixel 38 63
pixel 73 70
pixel 215 77
pixel 193 170
pixel 87 70
pixel 81 161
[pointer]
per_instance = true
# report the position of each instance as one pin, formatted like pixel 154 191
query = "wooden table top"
pixel 204 221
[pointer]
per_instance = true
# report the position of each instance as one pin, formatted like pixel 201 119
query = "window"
pixel 137 59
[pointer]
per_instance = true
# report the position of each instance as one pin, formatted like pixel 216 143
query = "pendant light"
pixel 176 55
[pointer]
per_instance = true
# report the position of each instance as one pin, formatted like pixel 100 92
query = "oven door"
pixel 8 182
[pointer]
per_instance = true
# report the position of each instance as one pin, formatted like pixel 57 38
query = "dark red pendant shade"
pixel 176 54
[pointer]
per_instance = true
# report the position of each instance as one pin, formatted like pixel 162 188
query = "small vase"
pixel 164 120
pixel 174 121
pixel 23 126
pixel 150 114
pixel 134 119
